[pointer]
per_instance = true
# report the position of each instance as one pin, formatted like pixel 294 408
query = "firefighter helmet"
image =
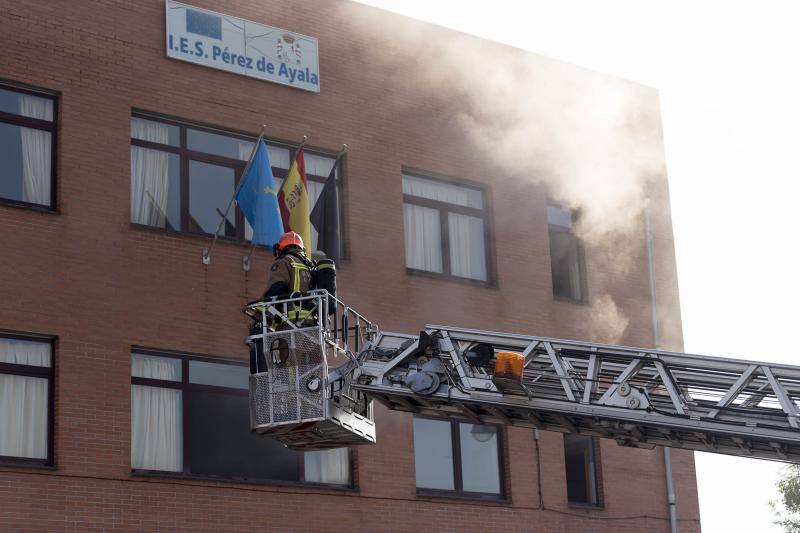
pixel 288 239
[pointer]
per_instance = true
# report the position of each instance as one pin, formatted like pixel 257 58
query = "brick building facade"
pixel 91 279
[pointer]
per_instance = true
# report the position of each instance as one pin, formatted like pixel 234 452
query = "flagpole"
pixel 246 259
pixel 302 144
pixel 207 251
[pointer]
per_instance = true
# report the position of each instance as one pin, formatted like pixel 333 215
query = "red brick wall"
pixel 100 285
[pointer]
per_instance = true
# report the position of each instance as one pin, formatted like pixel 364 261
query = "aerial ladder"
pixel 321 379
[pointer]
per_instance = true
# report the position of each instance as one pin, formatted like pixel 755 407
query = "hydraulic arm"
pixel 636 396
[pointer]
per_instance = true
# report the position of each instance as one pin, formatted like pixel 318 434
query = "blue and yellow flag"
pixel 257 198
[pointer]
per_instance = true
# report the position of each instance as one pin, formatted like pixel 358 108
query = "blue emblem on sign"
pixel 204 24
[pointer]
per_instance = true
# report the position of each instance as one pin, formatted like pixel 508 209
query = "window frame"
pixel 42 125
pixel 580 252
pixel 184 385
pixel 594 447
pixel 185 155
pixel 444 208
pixel 455 442
pixel 36 372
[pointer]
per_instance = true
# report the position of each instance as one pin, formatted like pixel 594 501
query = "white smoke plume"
pixel 608 323
pixel 591 139
pixel 593 142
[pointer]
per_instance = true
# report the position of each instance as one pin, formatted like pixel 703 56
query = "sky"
pixel 727 73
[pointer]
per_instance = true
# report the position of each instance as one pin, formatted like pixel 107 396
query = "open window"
pixel 581 463
pixel 566 255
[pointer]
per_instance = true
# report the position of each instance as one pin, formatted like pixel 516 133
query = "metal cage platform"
pixel 298 395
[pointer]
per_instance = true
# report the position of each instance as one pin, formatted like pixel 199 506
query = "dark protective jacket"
pixel 291 272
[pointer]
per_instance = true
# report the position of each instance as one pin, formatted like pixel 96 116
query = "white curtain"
pixel 156 423
pixel 328 466
pixel 20 352
pixel 36 151
pixel 318 165
pixel 279 157
pixel 245 149
pixel 23 401
pixel 442 192
pixel 423 238
pixel 149 174
pixel 467 252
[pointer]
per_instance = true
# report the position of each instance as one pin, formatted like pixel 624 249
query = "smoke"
pixel 592 140
pixel 608 323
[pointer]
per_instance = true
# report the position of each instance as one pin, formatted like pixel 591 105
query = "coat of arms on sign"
pixel 289 49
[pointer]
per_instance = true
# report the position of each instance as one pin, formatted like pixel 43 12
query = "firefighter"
pixel 291 271
pixel 290 275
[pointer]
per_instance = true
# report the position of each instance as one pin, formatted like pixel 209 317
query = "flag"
pixel 325 218
pixel 293 200
pixel 257 198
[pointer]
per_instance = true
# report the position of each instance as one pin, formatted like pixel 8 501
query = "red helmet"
pixel 288 239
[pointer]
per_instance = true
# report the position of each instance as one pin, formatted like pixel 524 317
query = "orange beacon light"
pixel 509 366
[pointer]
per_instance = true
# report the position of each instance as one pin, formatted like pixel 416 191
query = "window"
pixel 445 228
pixel 191 416
pixel 458 458
pixel 27 147
pixel 26 400
pixel 580 459
pixel 183 176
pixel 566 255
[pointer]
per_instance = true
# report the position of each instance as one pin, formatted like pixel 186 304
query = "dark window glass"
pixel 215 440
pixel 581 469
pixel 566 255
pixel 207 373
pixel 27 130
pixel 183 177
pixel 25 104
pixel 11 156
pixel 26 401
pixel 213 143
pixel 445 228
pixel 457 458
pixel 221 443
pixel 210 190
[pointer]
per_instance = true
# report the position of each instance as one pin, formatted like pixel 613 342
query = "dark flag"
pixel 325 218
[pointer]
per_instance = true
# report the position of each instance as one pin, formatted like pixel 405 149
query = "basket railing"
pixel 343 328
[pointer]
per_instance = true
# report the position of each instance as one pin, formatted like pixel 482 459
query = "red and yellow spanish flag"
pixel 293 200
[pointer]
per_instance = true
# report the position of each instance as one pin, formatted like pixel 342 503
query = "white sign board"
pixel 241 46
